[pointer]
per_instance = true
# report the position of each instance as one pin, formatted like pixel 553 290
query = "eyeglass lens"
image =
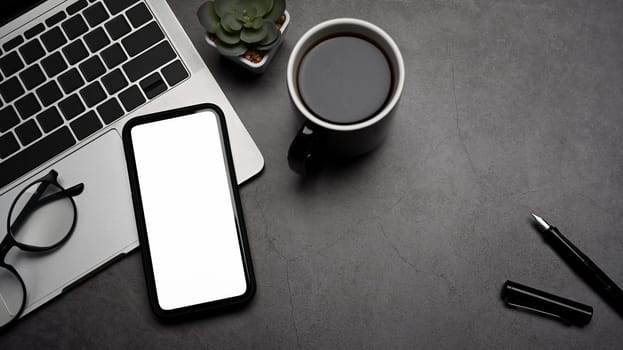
pixel 42 216
pixel 11 296
pixel 44 222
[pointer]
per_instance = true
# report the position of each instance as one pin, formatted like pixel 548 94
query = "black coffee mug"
pixel 319 138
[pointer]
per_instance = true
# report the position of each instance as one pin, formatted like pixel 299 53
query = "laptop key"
pixel 13 43
pixel 74 27
pixel 92 68
pixel 50 22
pixel 96 40
pixel 32 32
pixel 11 89
pixel 71 81
pixel 8 118
pixel 32 77
pixel 53 64
pixel 10 63
pixel 27 106
pixel 113 56
pixel 153 85
pixel 49 119
pixel 28 132
pixel 142 39
pixel 131 98
pixel 53 39
pixel 110 111
pixel 75 52
pixel 35 155
pixel 8 146
pixel 117 27
pixel 32 51
pixel 93 94
pixel 86 125
pixel 139 15
pixel 95 14
pixel 71 107
pixel 76 6
pixel 116 6
pixel 149 61
pixel 174 73
pixel 114 81
pixel 49 93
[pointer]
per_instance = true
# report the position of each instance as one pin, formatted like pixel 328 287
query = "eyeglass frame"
pixel 34 202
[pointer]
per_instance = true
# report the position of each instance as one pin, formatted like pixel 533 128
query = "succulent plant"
pixel 240 25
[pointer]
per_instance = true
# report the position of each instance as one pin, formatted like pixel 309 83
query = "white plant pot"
pixel 260 66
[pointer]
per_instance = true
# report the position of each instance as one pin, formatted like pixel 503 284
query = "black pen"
pixel 582 265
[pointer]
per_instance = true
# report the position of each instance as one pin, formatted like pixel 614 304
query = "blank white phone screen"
pixel 189 210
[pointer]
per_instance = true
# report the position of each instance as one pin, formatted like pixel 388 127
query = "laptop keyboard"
pixel 82 68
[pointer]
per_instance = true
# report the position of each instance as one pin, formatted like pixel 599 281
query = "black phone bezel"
pixel 216 305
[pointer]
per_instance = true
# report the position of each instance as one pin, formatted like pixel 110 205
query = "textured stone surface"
pixel 509 107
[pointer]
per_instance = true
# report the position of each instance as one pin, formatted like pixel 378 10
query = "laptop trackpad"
pixel 105 226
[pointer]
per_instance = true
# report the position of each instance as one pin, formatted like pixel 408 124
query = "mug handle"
pixel 303 155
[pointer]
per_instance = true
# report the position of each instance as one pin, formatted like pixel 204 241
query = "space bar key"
pixel 35 155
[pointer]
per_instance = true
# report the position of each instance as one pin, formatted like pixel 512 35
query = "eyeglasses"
pixel 42 217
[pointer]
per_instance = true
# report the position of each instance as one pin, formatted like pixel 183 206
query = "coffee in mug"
pixel 345 78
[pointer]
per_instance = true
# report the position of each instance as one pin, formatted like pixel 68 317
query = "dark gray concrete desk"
pixel 509 107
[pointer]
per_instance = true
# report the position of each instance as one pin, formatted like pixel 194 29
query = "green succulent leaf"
pixel 208 17
pixel 230 23
pixel 279 7
pixel 263 6
pixel 272 34
pixel 250 36
pixel 231 50
pixel 257 23
pixel 246 14
pixel 267 47
pixel 223 7
pixel 227 29
pixel 227 38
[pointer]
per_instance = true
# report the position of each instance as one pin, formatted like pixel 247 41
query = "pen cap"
pixel 526 298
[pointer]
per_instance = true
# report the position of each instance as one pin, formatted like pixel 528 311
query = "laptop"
pixel 72 73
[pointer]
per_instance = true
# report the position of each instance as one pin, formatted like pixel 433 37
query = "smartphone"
pixel 188 214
